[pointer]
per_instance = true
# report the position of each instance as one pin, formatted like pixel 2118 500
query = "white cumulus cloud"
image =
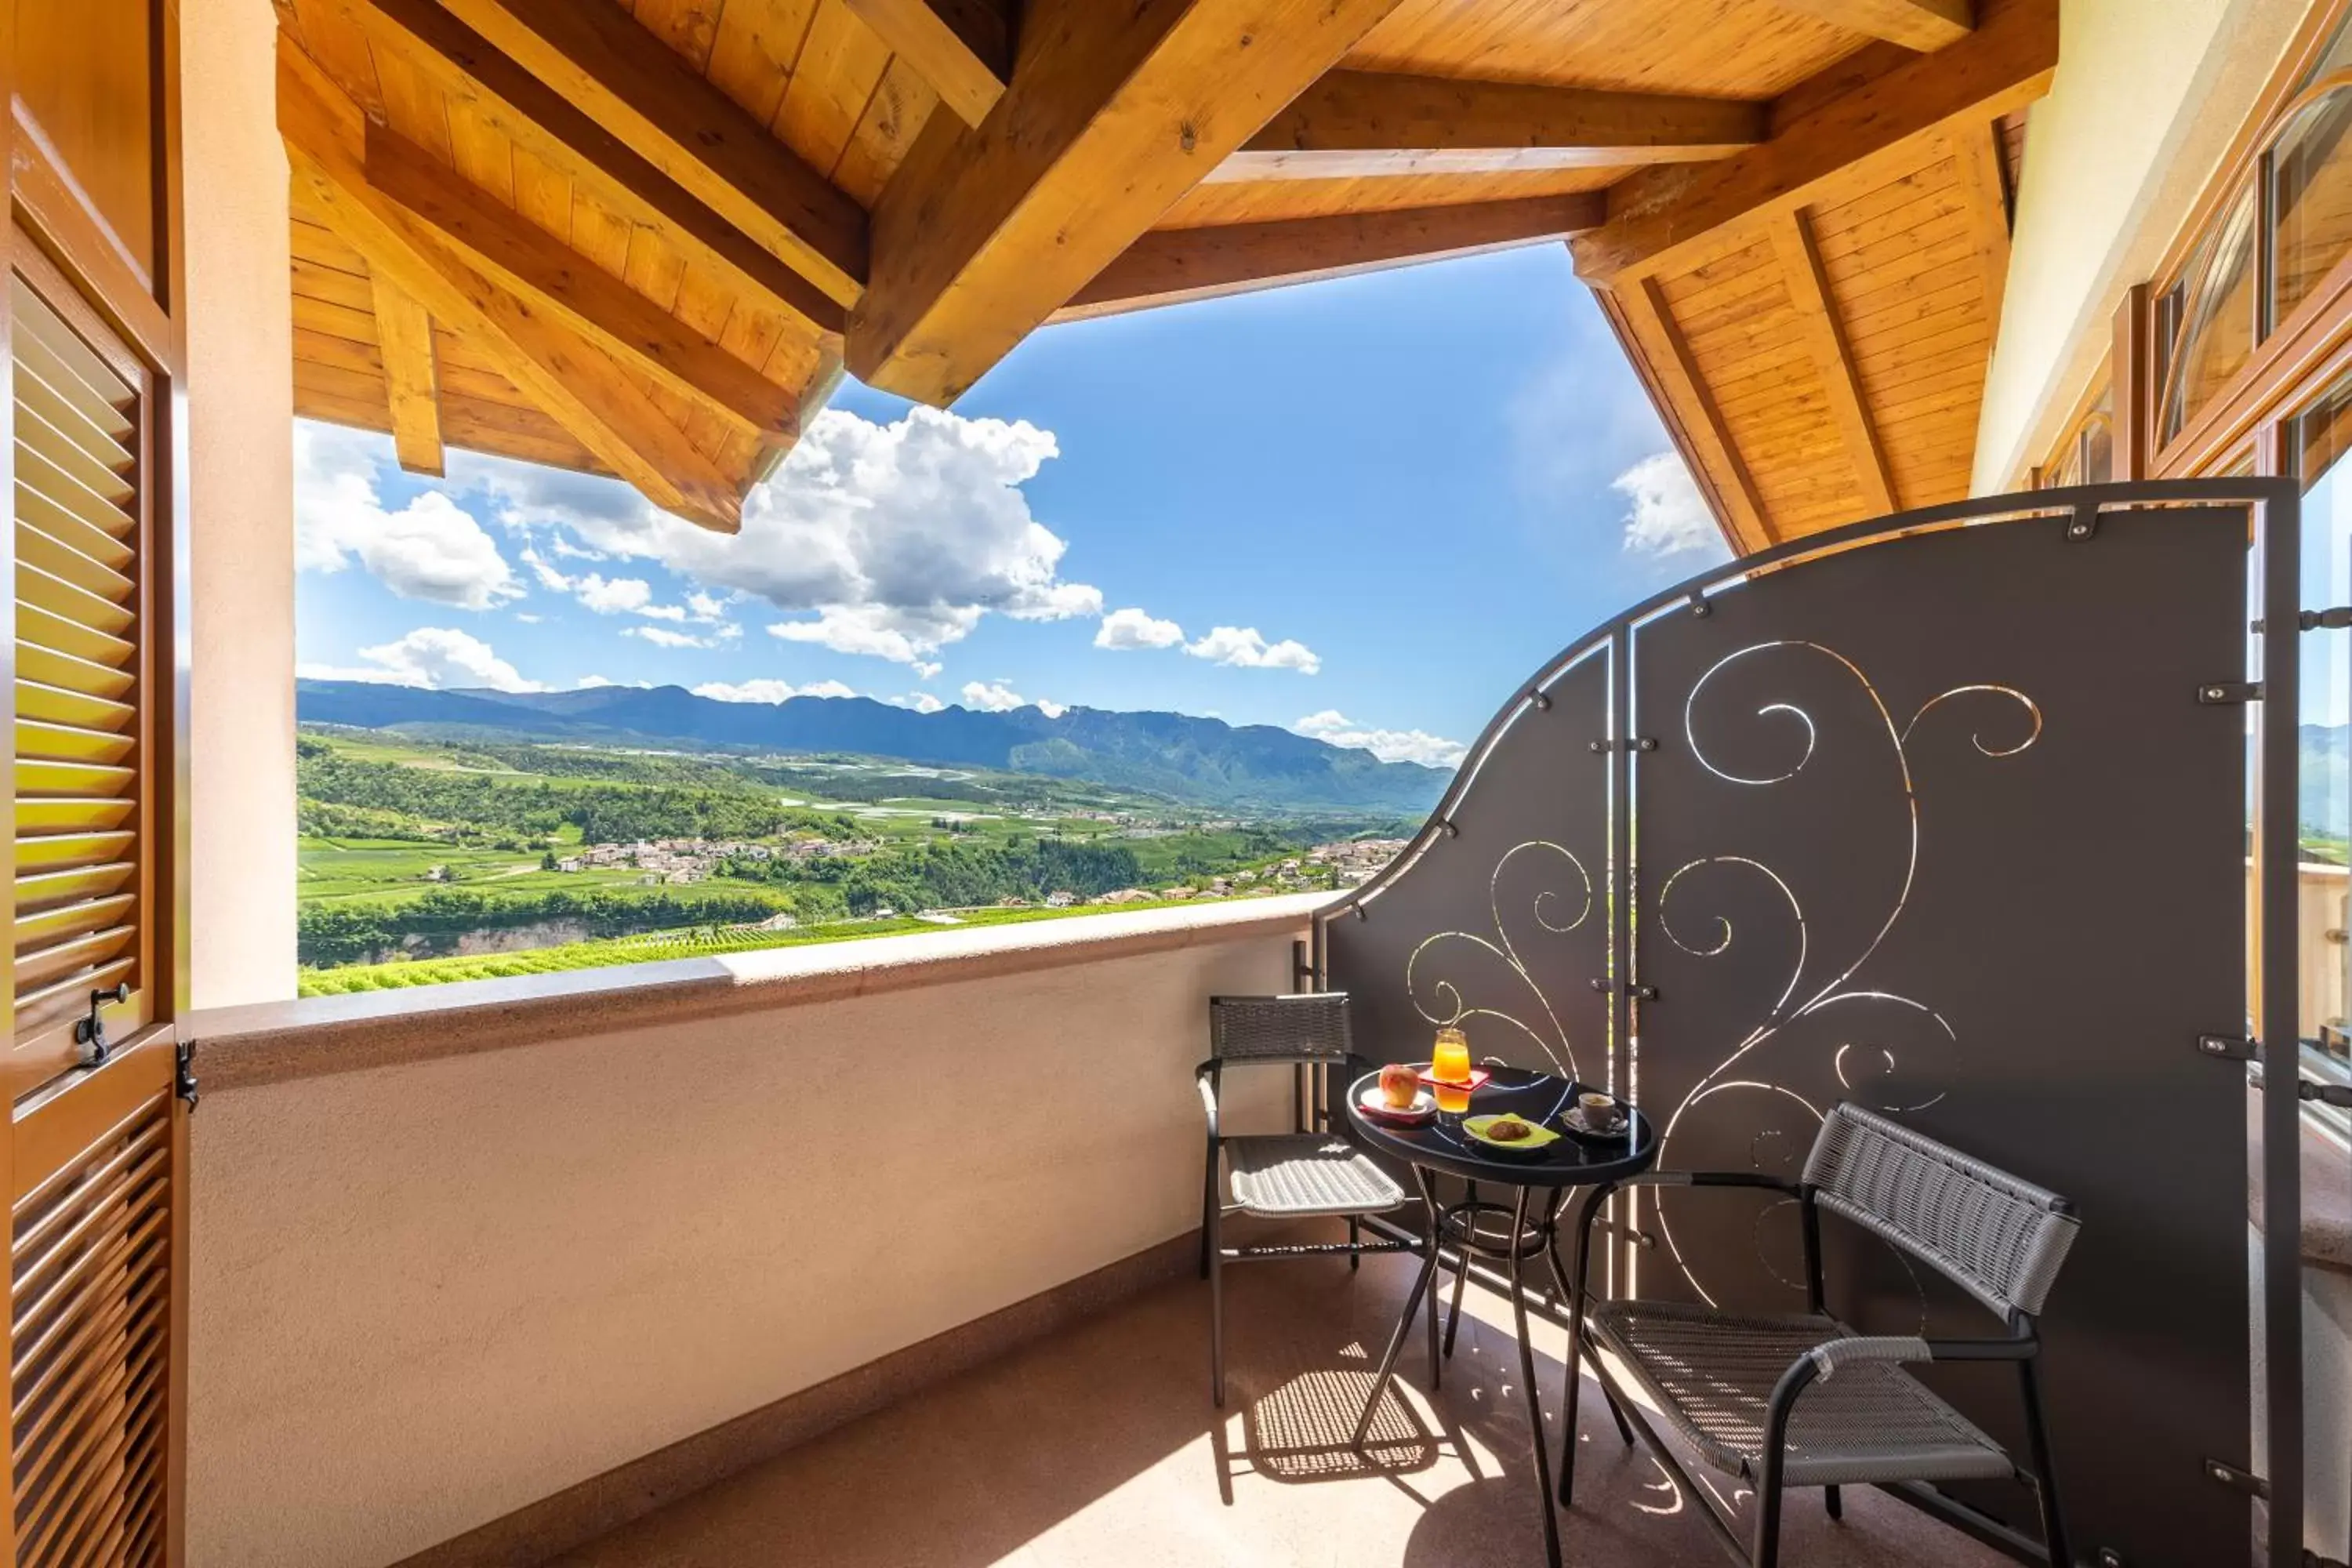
pixel 764 690
pixel 997 696
pixel 613 597
pixel 891 541
pixel 662 638
pixel 921 702
pixel 430 549
pixel 902 636
pixel 441 657
pixel 1131 628
pixel 1390 745
pixel 1665 514
pixel 1244 647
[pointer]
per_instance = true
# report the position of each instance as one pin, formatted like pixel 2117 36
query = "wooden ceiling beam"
pixel 545 271
pixel 603 61
pixel 1166 267
pixel 404 337
pixel 963 47
pixel 544 121
pixel 1113 111
pixel 1844 144
pixel 1915 23
pixel 1984 186
pixel 1353 124
pixel 1808 283
pixel 578 386
pixel 1650 320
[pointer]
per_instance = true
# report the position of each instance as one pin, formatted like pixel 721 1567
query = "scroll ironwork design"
pixel 1444 1000
pixel 1804 993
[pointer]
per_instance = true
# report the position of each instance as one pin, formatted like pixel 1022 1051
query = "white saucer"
pixel 1375 1104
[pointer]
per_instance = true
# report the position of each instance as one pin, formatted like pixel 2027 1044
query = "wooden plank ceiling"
pixel 645 236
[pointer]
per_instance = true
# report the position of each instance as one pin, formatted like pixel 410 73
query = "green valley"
pixel 424 859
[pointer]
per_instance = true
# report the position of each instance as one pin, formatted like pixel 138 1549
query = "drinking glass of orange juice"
pixel 1450 1064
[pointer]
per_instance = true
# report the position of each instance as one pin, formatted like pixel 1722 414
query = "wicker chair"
pixel 1803 1400
pixel 1311 1171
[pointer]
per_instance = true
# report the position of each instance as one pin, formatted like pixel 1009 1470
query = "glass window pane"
pixel 2216 332
pixel 2098 449
pixel 2311 198
pixel 2320 439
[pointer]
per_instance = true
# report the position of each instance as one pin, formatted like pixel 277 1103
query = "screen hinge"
pixel 2228 1048
pixel 2215 693
pixel 183 1078
pixel 2236 1479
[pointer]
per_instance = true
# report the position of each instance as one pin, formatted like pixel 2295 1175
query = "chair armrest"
pixel 1201 1077
pixel 1714 1179
pixel 1859 1348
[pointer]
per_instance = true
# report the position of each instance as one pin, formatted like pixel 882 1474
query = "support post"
pixel 2277 1010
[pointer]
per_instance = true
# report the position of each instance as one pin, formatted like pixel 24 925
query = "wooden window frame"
pixel 2294 358
pixel 2078 425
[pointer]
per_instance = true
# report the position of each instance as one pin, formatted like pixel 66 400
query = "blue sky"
pixel 1367 507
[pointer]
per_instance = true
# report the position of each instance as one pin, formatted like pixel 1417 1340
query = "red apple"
pixel 1399 1085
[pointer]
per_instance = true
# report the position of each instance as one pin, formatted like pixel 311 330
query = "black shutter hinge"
pixel 2338 1095
pixel 184 1079
pixel 2216 693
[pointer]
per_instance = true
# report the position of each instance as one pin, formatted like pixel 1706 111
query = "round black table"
pixel 1440 1147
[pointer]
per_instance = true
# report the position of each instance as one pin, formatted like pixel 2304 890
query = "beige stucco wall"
pixel 426 1295
pixel 241 507
pixel 2145 99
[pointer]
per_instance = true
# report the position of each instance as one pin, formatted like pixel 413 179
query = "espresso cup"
pixel 1599 1111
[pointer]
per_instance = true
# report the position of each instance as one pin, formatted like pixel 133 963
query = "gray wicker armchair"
pixel 1311 1171
pixel 1803 1400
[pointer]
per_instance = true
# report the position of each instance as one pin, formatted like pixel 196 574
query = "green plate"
pixel 1539 1137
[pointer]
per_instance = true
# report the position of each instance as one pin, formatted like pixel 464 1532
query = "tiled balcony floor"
pixel 1101 1449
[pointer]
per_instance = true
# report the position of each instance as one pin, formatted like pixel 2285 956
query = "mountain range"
pixel 1203 762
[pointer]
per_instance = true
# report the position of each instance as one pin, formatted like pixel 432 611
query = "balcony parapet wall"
pixel 268 1042
pixel 481 1269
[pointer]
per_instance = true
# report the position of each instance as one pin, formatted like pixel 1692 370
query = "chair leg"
pixel 1834 1502
pixel 1616 1411
pixel 1355 1244
pixel 1216 1306
pixel 1208 1207
pixel 2045 1477
pixel 1765 1554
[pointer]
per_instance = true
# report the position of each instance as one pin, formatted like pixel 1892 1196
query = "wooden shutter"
pixel 79 514
pixel 93 1265
pixel 94 1152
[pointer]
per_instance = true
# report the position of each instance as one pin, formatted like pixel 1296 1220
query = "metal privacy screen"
pixel 1937 821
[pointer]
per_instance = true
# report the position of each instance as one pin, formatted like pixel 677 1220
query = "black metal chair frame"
pixel 1310 1112
pixel 2022 1346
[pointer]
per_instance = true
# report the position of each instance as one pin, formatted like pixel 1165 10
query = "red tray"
pixel 1478 1080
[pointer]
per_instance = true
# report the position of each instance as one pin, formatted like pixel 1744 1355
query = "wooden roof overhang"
pixel 645 238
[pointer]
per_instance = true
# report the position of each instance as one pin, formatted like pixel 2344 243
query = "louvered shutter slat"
pixel 37 510
pixel 77 426
pixel 60 560
pixel 90 1349
pixel 63 671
